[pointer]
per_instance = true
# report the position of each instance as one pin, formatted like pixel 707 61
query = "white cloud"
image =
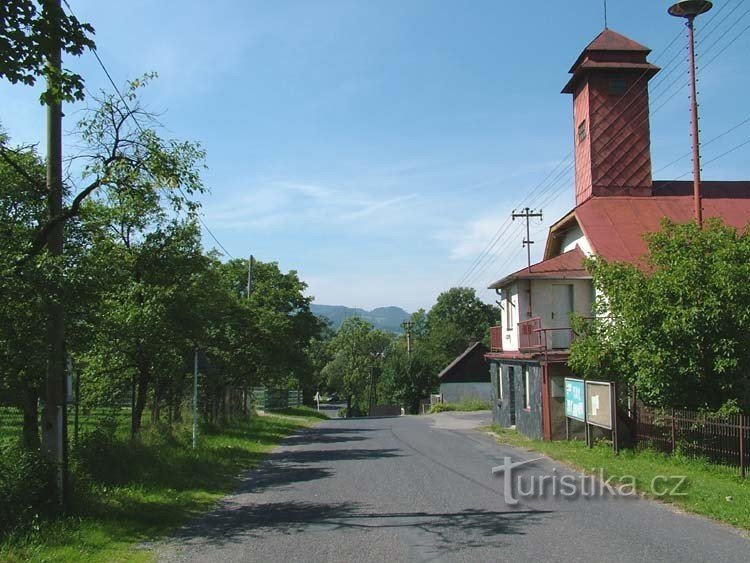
pixel 281 204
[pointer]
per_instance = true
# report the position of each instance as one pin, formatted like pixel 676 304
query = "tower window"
pixel 582 131
pixel 618 86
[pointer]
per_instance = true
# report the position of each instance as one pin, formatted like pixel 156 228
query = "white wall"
pixel 542 305
pixel 574 237
pixel 510 332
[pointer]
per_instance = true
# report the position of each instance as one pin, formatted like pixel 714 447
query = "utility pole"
pixel 527 214
pixel 54 416
pixel 250 265
pixel 408 325
pixel 690 9
pixel 195 398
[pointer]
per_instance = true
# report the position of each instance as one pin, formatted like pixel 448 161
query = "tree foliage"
pixel 356 351
pixel 678 326
pixel 28 32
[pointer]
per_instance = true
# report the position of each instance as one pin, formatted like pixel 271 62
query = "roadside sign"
pixel 599 403
pixel 575 399
pixel 317 399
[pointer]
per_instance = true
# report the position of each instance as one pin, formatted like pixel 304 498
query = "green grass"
pixel 464 406
pixel 151 490
pixel 301 411
pixel 712 490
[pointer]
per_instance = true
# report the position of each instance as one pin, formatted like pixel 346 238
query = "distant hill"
pixel 384 318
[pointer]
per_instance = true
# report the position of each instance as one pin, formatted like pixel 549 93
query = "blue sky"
pixel 376 147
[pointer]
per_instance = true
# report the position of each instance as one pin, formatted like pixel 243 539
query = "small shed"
pixel 467 378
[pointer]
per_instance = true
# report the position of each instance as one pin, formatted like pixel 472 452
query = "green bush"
pixel 25 496
pixel 442 407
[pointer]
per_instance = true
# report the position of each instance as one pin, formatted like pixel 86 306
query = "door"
pixel 562 307
pixel 512 395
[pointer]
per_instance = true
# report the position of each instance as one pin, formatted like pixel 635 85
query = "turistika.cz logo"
pixel 516 485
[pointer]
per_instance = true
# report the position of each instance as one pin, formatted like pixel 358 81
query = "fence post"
pixel 674 433
pixel 742 445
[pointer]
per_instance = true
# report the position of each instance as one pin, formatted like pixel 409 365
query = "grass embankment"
pixel 463 406
pixel 148 491
pixel 710 490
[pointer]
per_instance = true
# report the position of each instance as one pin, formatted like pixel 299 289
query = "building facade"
pixel 617 202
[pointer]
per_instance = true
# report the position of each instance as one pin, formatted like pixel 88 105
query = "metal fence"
pixel 269 399
pixel 721 440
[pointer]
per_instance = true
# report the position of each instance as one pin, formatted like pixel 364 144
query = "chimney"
pixel 611 118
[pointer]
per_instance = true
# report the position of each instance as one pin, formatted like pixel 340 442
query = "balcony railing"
pixel 533 338
pixel 496 339
pixel 530 336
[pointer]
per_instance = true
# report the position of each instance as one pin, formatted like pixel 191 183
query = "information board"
pixel 599 403
pixel 575 399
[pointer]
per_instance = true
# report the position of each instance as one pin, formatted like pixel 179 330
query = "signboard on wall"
pixel 575 399
pixel 599 403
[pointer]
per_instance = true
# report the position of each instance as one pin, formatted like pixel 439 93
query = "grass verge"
pixel 154 489
pixel 710 490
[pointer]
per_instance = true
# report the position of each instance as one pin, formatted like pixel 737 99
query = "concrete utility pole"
pixel 250 265
pixel 408 325
pixel 527 214
pixel 195 398
pixel 54 416
pixel 690 9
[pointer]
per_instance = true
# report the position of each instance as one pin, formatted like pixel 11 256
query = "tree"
pixel 677 326
pixel 457 319
pixel 406 378
pixel 355 349
pixel 25 38
pixel 22 204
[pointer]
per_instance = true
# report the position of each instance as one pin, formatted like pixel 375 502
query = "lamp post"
pixel 690 9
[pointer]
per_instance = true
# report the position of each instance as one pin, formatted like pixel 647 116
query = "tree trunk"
pixel 144 375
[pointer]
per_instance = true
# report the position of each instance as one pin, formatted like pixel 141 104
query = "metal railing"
pixel 532 337
pixel 496 339
pixel 721 440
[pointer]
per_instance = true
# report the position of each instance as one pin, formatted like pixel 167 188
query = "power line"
pixel 474 268
pixel 138 125
pixel 705 144
pixel 471 273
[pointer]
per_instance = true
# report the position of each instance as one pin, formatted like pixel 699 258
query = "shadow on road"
pixel 446 531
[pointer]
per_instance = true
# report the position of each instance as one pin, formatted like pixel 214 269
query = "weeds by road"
pixel 711 490
pixel 132 495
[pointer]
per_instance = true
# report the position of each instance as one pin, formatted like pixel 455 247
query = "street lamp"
pixel 690 9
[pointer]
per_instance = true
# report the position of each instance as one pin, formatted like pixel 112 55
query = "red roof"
pixel 610 50
pixel 568 265
pixel 609 40
pixel 615 225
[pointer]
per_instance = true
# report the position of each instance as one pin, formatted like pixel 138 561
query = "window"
pixel 582 131
pixel 526 388
pixel 618 86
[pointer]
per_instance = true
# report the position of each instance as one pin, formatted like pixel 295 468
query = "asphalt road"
pixel 422 489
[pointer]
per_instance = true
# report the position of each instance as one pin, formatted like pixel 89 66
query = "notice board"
pixel 575 402
pixel 599 403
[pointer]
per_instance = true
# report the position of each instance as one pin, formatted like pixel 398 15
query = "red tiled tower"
pixel 610 110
